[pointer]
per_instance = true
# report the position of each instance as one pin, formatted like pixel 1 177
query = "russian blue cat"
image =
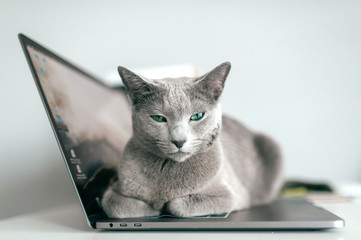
pixel 185 158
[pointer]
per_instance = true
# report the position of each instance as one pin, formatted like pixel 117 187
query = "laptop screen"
pixel 92 122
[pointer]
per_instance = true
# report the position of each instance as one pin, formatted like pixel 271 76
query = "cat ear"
pixel 213 82
pixel 131 80
pixel 136 85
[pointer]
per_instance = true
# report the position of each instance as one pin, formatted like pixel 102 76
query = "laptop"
pixel 92 123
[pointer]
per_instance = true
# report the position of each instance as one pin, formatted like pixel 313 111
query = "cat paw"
pixel 118 206
pixel 199 205
pixel 179 207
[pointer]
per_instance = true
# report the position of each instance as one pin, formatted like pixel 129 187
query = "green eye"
pixel 159 118
pixel 197 116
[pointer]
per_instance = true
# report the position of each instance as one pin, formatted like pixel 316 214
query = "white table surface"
pixel 68 222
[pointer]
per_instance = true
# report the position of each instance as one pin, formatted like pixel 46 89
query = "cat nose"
pixel 179 144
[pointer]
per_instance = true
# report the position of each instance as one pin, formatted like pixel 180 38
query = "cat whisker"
pixel 226 145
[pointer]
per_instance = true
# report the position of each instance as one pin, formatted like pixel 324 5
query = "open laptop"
pixel 92 123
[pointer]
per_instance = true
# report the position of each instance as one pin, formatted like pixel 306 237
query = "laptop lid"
pixel 92 124
pixel 90 120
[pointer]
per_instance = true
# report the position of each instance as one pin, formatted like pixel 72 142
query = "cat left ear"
pixel 130 79
pixel 213 81
pixel 136 85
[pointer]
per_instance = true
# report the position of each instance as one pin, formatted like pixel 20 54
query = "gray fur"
pixel 221 166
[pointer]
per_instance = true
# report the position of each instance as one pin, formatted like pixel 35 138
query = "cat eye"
pixel 159 118
pixel 197 116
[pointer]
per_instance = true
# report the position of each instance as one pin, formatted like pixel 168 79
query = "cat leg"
pixel 118 206
pixel 198 205
pixel 272 163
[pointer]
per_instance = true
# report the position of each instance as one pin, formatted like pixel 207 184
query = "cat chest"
pixel 161 182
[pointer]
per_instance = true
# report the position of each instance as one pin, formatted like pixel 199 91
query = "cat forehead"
pixel 178 95
pixel 170 83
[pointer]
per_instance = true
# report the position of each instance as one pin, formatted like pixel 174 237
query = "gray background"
pixel 296 76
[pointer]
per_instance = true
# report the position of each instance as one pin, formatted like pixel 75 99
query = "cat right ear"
pixel 136 85
pixel 213 82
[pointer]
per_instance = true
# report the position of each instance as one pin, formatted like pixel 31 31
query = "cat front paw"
pixel 199 205
pixel 118 206
pixel 179 207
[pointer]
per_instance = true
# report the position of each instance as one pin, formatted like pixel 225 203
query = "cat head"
pixel 175 118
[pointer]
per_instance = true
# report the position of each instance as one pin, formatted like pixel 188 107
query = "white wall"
pixel 296 75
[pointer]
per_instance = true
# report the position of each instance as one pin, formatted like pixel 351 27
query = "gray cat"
pixel 184 157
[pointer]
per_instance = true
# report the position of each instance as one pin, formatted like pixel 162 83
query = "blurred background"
pixel 296 75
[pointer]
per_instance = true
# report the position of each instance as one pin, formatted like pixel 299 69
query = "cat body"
pixel 184 157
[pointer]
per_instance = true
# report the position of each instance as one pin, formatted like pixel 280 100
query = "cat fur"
pixel 221 167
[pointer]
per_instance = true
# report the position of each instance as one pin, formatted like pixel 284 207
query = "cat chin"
pixel 179 156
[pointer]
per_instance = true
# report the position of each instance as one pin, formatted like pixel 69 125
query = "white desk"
pixel 68 222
